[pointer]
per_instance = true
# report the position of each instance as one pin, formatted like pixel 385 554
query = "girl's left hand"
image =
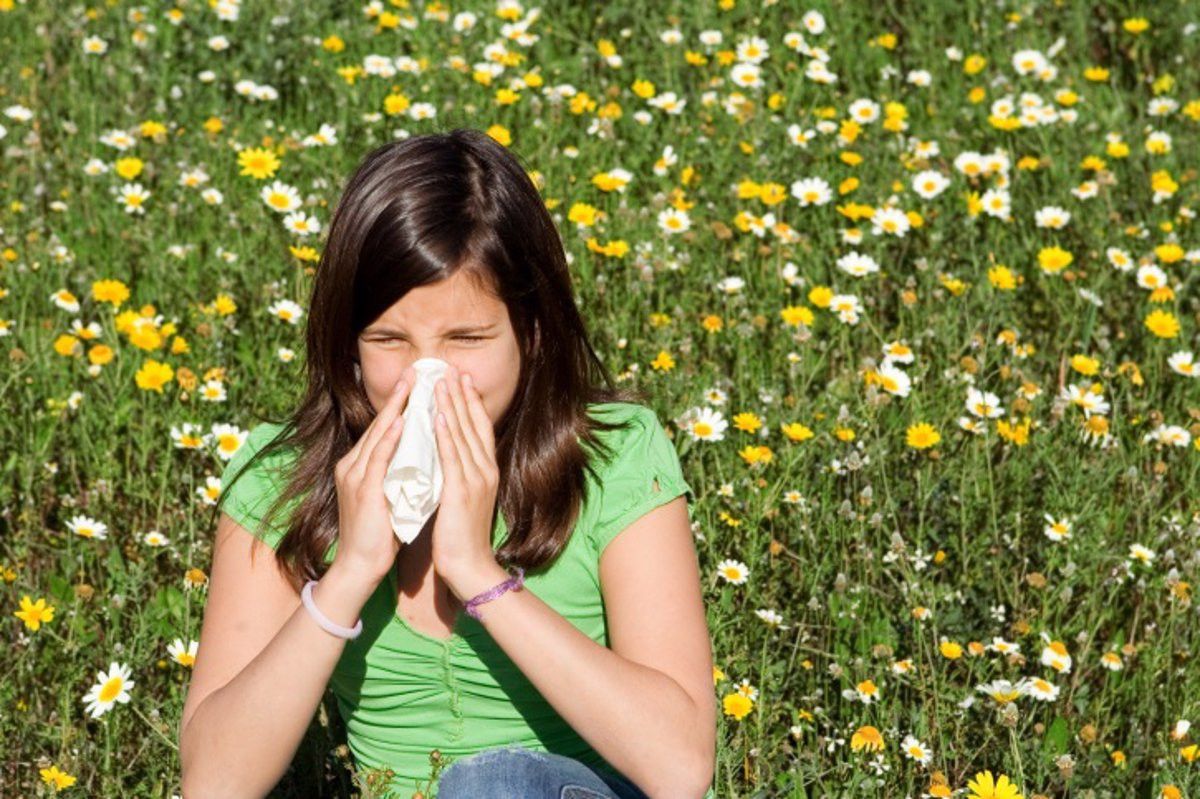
pixel 462 532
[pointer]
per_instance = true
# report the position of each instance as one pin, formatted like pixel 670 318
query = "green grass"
pixel 977 499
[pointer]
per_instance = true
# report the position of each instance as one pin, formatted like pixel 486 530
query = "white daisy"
pixel 733 571
pixel 811 191
pixel 704 424
pixel 183 655
pixel 1057 529
pixel 154 538
pixel 286 310
pixel 228 438
pixel 892 221
pixel 133 196
pixel 301 224
pixel 1039 689
pixel 111 687
pixel 280 197
pixel 893 380
pixel 983 404
pixel 929 183
pixel 672 220
pixel 88 527
pixel 1053 217
pixel 753 50
pixel 915 750
pixel 856 264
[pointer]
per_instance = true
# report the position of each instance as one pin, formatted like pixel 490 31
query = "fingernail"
pixel 467 380
pixel 399 386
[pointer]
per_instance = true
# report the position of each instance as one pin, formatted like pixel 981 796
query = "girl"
pixel 545 631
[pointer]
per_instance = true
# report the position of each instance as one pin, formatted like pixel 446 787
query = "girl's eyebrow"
pixel 454 331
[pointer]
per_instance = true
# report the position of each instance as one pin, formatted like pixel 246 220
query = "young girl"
pixel 545 631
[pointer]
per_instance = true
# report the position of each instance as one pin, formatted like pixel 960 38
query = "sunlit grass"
pixel 913 291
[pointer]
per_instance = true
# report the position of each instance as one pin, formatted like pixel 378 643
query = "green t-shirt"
pixel 402 693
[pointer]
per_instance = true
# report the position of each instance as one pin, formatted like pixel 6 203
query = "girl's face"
pixel 451 320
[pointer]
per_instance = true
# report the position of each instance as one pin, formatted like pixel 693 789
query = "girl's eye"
pixel 460 338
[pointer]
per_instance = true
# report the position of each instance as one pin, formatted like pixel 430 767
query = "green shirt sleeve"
pixel 248 500
pixel 643 457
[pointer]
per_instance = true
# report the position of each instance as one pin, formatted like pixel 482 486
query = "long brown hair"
pixel 415 212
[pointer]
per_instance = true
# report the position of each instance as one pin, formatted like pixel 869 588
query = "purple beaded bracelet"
pixel 513 583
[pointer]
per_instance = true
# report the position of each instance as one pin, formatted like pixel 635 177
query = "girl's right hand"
pixel 366 541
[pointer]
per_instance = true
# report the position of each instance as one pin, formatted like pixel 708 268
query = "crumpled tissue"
pixel 413 480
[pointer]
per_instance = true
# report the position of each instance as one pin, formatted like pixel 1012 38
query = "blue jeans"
pixel 514 772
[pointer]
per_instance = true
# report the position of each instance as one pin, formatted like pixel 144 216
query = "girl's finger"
pixel 483 423
pixel 451 465
pixel 378 460
pixel 454 430
pixel 467 437
pixel 370 438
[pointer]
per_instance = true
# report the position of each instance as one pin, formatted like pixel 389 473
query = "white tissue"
pixel 413 481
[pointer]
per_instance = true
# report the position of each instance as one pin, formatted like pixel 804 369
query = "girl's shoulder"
pixel 639 442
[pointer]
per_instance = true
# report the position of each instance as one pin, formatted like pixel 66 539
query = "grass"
pixel 905 571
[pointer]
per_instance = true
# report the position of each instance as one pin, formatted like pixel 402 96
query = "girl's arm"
pixel 261 668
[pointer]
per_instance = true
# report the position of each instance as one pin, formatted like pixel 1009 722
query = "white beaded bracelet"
pixel 326 623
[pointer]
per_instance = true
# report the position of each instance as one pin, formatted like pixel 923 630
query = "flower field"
pixel 914 288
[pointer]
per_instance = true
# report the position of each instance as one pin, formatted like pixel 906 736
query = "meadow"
pixel 912 285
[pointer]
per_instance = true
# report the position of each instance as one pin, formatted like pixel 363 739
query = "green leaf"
pixel 1055 742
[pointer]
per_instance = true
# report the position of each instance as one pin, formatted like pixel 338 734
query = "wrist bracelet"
pixel 326 623
pixel 513 583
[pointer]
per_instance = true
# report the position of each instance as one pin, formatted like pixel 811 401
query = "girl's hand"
pixel 366 541
pixel 462 531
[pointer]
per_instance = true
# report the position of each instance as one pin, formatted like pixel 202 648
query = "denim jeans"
pixel 514 772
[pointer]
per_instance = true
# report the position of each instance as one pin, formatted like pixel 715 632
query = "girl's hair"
pixel 415 212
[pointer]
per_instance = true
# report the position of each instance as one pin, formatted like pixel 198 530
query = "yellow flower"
pixel 67 345
pixel 663 362
pixel 258 162
pixel 985 787
pixel 867 737
pixel 59 779
pixel 1002 278
pixel 395 104
pixel 950 650
pixel 796 431
pixel 1162 324
pixel 500 134
pixel 922 436
pixel 1085 365
pixel 1054 259
pixel 584 215
pixel 1135 25
pixel 737 705
pixel 154 375
pixel 34 614
pixel 747 422
pixel 794 315
pixel 643 88
pixel 129 168
pixel 1169 253
pixel 113 291
pixel 820 296
pixel 101 354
